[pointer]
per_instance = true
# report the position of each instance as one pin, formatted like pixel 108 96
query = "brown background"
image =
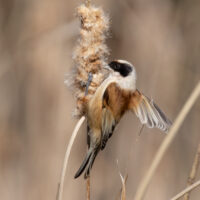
pixel 160 37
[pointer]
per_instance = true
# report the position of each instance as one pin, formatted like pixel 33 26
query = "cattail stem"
pixel 193 172
pixel 88 188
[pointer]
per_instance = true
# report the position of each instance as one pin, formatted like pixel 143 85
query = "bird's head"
pixel 124 71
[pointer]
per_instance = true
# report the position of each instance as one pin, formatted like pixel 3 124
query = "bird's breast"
pixel 117 100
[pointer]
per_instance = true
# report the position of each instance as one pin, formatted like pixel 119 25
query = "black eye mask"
pixel 123 68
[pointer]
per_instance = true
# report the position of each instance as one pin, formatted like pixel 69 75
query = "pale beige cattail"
pixel 90 54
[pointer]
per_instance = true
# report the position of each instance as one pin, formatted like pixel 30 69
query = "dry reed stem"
pixel 123 190
pixel 88 188
pixel 120 192
pixel 193 172
pixel 69 147
pixel 165 144
pixel 188 189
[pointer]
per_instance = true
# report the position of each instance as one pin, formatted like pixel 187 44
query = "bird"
pixel 116 95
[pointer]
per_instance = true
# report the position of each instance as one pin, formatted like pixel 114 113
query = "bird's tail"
pixel 84 163
pixel 87 162
pixel 90 163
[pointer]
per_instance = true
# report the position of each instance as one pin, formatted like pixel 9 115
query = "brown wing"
pixel 148 112
pixel 108 119
pixel 108 126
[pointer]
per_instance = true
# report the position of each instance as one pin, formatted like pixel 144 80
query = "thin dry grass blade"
pixel 123 190
pixel 168 140
pixel 188 189
pixel 69 147
pixel 193 172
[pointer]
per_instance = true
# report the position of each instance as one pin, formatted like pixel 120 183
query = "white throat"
pixel 129 82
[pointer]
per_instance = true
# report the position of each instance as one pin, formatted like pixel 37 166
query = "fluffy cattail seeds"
pixel 90 54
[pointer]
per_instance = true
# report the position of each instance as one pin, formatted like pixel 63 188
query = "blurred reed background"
pixel 161 38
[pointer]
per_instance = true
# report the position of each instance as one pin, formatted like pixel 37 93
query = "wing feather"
pixel 148 112
pixel 108 120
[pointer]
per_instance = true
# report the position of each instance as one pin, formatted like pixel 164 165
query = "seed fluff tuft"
pixel 90 55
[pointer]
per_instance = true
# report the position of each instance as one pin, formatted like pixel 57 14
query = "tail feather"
pixel 90 163
pixel 84 164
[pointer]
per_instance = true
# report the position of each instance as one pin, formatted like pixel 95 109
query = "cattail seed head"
pixel 90 54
